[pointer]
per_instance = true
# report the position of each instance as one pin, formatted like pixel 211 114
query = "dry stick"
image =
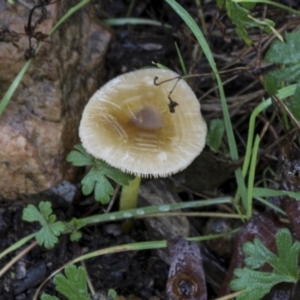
pixel 274 97
pixel 111 203
pixel 246 88
pixel 47 279
pixel 16 258
pixel 237 108
pixel 30 29
pixel 89 282
pixel 266 41
pixel 258 56
pixel 214 88
pixel 235 104
pixel 230 296
pixel 173 104
pixel 277 101
pixel 88 279
pixel 113 198
pixel 227 208
pixel 271 127
pixel 264 130
pixel 237 133
pixel 279 140
pixel 283 106
pixel 198 75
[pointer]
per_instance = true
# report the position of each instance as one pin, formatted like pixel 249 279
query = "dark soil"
pixel 139 273
pixel 143 274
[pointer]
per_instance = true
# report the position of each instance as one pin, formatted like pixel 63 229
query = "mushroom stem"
pixel 129 199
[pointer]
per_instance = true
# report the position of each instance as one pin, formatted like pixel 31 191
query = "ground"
pixel 143 274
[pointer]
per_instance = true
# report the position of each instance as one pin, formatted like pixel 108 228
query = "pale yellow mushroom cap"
pixel 128 124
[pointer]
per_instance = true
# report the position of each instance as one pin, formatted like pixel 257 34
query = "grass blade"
pixel 134 21
pixel 252 177
pixel 228 126
pixel 296 12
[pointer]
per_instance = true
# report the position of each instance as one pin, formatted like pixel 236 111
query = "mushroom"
pixel 128 123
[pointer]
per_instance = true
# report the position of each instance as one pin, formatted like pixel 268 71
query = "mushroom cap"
pixel 128 124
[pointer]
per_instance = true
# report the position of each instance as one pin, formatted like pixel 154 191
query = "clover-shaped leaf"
pixel 97 178
pixel 47 235
pixel 254 283
pixel 73 285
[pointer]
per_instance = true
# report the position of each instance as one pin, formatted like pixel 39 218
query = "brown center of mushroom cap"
pixel 147 118
pixel 138 118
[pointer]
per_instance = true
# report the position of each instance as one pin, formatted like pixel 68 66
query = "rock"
pixel 156 192
pixel 40 125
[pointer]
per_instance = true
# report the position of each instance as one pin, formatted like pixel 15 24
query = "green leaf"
pixel 103 189
pixel 241 18
pixel 75 236
pixel 215 134
pixel 271 84
pixel 89 181
pixel 112 293
pixel 80 157
pixel 116 175
pixel 96 179
pixel 74 284
pixel 257 253
pixel 48 297
pixel 294 106
pixel 248 5
pixel 32 214
pixel 220 2
pixel 74 225
pixel 286 54
pixel 288 254
pixel 255 284
pixel 289 73
pixel 265 192
pixel 48 234
pixel 50 230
